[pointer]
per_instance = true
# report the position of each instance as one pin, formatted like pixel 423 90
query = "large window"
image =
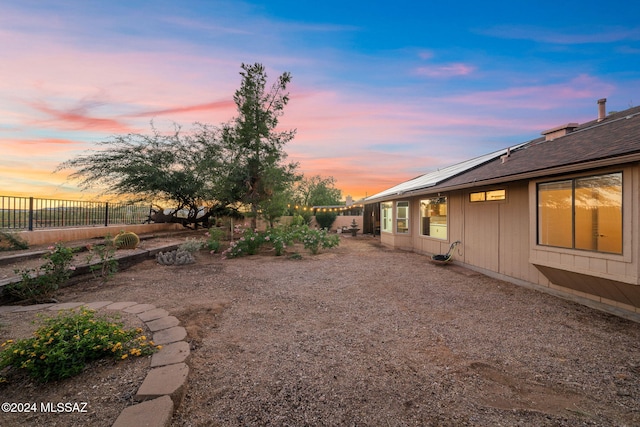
pixel 386 212
pixel 582 213
pixel 402 217
pixel 433 217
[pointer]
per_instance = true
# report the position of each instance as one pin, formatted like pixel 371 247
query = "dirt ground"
pixel 359 335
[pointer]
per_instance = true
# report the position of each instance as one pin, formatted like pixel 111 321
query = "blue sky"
pixel 381 91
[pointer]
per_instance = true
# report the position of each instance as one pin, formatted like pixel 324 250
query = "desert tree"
pixel 256 167
pixel 212 169
pixel 316 191
pixel 173 168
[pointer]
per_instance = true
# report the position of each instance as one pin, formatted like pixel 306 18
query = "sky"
pixel 381 92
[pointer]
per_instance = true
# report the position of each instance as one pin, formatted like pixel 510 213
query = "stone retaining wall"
pixel 52 235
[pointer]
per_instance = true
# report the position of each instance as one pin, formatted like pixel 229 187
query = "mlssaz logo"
pixel 63 407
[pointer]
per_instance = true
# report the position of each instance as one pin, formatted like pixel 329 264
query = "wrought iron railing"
pixel 30 213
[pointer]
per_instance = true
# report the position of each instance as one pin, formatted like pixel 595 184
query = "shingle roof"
pixel 615 136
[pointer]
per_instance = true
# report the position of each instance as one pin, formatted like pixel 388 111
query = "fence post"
pixel 106 214
pixel 30 213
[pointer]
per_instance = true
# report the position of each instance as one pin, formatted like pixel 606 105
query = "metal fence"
pixel 30 213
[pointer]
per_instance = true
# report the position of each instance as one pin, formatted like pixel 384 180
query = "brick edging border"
pixel 165 385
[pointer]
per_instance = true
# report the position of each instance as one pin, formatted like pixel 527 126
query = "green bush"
pixel 63 345
pixel 326 219
pixel 313 240
pixel 214 236
pixel 191 245
pixel 41 284
pixel 248 244
pixel 299 220
pixel 106 253
pixel 279 238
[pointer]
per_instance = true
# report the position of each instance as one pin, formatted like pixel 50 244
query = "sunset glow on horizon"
pixel 380 92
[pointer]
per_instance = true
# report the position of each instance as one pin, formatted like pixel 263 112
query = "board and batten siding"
pixel 499 238
pixel 481 239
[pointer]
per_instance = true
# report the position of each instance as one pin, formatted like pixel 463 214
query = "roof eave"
pixel 559 170
pixel 438 188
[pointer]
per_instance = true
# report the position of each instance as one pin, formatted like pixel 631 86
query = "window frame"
pixel 573 180
pixel 485 193
pixel 444 200
pixel 386 207
pixel 406 206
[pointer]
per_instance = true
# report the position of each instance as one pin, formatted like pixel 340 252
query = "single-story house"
pixel 560 213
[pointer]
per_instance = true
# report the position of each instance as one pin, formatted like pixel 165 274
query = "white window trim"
pixel 408 218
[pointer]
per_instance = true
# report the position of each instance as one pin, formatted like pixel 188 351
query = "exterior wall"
pixel 47 236
pixel 345 221
pixel 404 241
pixel 622 267
pixel 481 237
pixel 612 279
pixel 341 221
pixel 499 238
pixel 455 228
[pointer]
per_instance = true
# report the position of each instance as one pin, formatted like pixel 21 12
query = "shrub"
pixel 191 246
pixel 248 244
pixel 279 238
pixel 213 246
pixel 214 236
pixel 108 265
pixel 62 346
pixel 325 219
pixel 40 285
pixel 11 241
pixel 313 240
pixel 299 220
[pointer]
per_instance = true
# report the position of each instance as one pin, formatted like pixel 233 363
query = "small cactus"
pixel 177 257
pixel 184 257
pixel 126 240
pixel 166 258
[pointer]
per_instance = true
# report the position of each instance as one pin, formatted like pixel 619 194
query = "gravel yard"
pixel 362 335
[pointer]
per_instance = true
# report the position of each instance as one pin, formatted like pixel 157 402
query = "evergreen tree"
pixel 256 161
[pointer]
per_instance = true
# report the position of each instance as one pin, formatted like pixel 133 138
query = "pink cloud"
pixel 130 83
pixel 210 106
pixel 39 147
pixel 540 97
pixel 357 180
pixel 78 119
pixel 448 70
pixel 365 171
pixel 48 141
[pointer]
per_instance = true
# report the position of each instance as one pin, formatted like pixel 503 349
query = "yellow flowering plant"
pixel 62 345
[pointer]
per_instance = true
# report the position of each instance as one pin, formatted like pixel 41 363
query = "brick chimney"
pixel 602 109
pixel 559 131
